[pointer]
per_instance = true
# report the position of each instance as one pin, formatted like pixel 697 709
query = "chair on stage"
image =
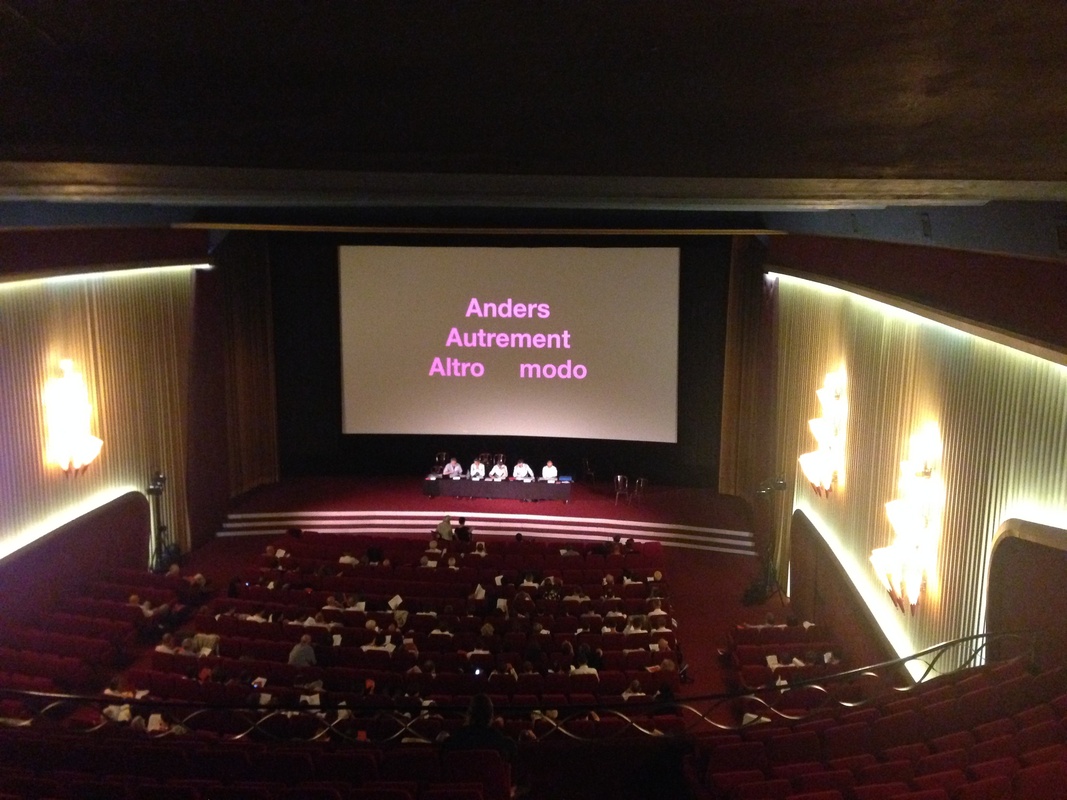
pixel 500 458
pixel 587 470
pixel 640 485
pixel 439 462
pixel 622 487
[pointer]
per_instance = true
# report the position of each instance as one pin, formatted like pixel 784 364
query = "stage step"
pixel 419 523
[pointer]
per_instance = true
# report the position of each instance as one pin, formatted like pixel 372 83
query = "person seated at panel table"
pixel 522 471
pixel 499 472
pixel 549 472
pixel 477 470
pixel 452 469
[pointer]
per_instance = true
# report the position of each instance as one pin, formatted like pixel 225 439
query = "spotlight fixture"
pixel 157 484
pixel 772 485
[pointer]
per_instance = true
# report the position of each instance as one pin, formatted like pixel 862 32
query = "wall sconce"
pixel 824 467
pixel 69 441
pixel 904 566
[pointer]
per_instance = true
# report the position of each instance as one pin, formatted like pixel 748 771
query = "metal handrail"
pixel 407 721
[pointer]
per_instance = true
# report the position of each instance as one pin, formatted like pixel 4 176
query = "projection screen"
pixel 555 342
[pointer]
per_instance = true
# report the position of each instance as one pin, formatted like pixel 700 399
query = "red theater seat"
pixel 995 788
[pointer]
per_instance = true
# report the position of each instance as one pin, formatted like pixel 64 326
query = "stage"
pixel 697 519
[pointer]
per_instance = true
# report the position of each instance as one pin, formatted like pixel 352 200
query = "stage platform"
pixel 696 519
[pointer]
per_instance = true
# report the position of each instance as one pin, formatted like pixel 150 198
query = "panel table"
pixel 510 490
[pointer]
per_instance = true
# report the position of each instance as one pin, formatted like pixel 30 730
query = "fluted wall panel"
pixel 1002 415
pixel 129 336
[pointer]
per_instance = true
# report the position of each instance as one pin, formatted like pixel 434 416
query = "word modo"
pixel 455 368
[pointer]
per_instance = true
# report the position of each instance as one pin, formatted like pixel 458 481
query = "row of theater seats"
pixel 608 685
pixel 132 767
pixel 798 650
pixel 466 567
pixel 381 718
pixel 226 619
pixel 79 645
pixel 321 546
pixel 451 653
pixel 453 585
pixel 988 733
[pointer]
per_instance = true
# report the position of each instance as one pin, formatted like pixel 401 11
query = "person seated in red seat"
pixel 662 648
pixel 302 654
pixel 197 581
pixel 638 623
pixel 160 612
pixel 508 670
pixel 522 604
pixel 551 588
pixel 168 645
pixel 582 667
pixel 481 731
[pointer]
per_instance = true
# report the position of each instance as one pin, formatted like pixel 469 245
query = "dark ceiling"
pixel 323 111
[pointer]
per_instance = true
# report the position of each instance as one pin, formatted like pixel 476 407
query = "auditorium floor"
pixel 705 587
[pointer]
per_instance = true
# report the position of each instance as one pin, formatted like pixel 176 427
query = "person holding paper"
pixel 522 471
pixel 498 472
pixel 549 472
pixel 452 469
pixel 477 470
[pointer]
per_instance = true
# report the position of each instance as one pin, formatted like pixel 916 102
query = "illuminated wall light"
pixel 43 527
pixel 22 283
pixel 907 565
pixel 825 466
pixel 69 441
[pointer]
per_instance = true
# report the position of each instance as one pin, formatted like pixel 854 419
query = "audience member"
pixel 478 733
pixel 464 532
pixel 444 529
pixel 302 654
